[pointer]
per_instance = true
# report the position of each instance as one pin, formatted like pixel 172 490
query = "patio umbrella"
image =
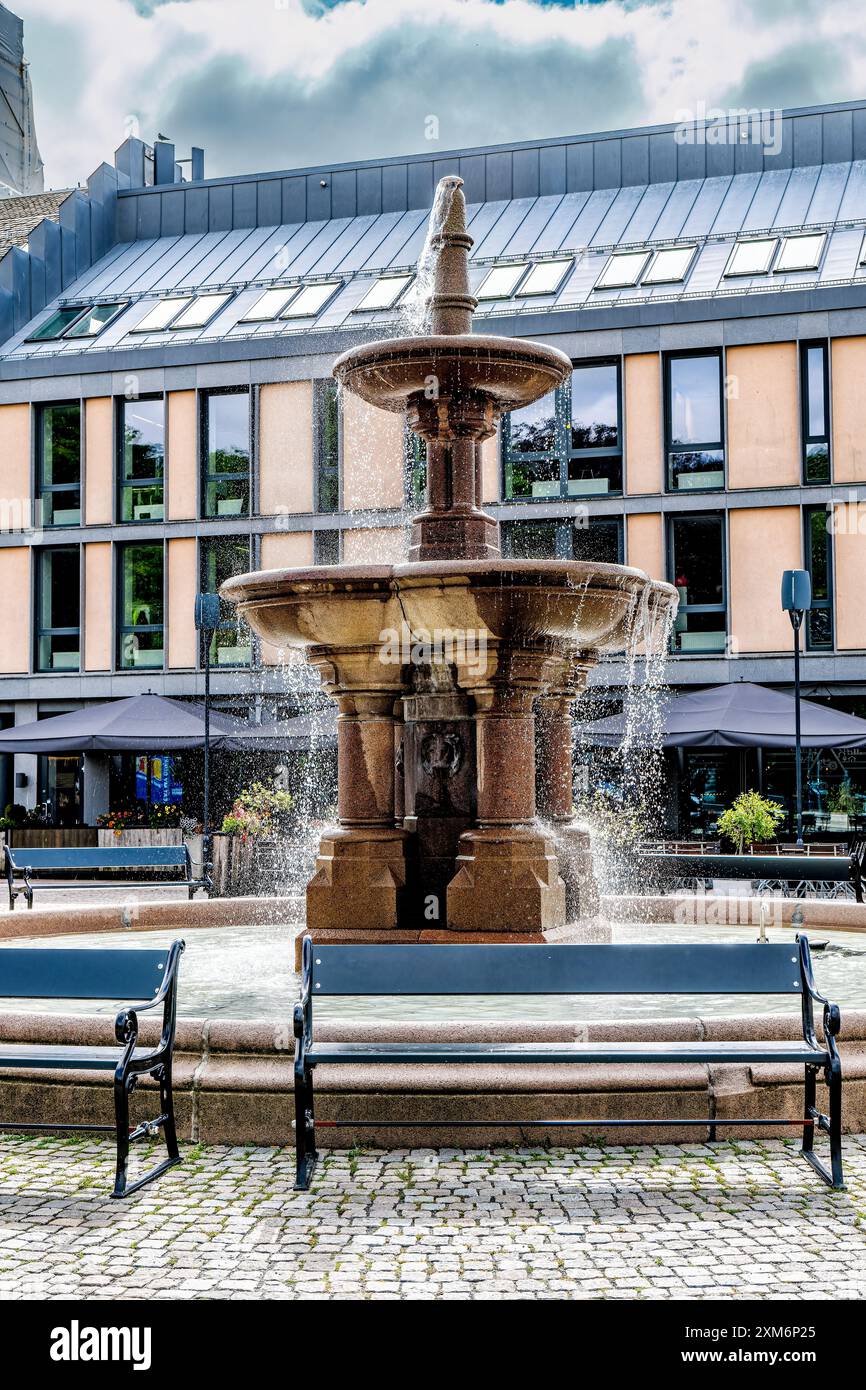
pixel 739 715
pixel 134 724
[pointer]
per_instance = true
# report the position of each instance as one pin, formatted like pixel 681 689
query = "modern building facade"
pixel 167 416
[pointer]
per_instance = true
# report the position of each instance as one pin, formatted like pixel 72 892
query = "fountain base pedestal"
pixel 507 879
pixel 359 882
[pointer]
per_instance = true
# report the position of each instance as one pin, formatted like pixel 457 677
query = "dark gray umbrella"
pixel 158 724
pixel 134 724
pixel 739 715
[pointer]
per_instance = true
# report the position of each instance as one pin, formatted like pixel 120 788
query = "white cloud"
pixel 267 83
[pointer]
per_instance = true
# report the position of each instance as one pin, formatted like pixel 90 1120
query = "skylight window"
pixel 752 257
pixel 623 269
pixel 269 305
pixel 801 252
pixel 863 251
pixel 311 299
pixel 200 311
pixel 669 265
pixel 384 293
pixel 501 282
pixel 161 315
pixel 546 277
pixel 92 321
pixel 57 323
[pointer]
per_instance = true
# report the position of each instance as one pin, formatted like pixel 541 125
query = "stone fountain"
pixel 450 669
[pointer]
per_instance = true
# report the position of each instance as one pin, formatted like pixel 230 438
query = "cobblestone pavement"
pixel 728 1220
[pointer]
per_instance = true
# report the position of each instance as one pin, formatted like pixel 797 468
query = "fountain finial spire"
pixel 451 304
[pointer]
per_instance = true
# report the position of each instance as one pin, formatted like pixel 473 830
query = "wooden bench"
pixel 148 979
pixel 334 971
pixel 27 863
pixel 765 869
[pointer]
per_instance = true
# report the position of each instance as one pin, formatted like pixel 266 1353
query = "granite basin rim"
pixel 508 371
pixel 584 605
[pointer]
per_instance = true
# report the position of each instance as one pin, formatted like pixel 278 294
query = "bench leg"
pixel 830 1125
pixel 166 1121
pixel 121 1119
pixel 305 1132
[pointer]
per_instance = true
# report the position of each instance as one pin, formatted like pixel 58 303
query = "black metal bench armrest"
pixel 126 1022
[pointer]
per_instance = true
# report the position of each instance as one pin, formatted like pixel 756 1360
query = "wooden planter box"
pixel 46 837
pixel 140 839
pixel 243 868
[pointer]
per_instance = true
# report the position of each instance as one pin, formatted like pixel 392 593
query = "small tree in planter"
pixel 260 815
pixel 751 820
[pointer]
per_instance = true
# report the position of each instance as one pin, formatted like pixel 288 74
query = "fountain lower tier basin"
pixel 504 373
pixel 576 605
pixel 234 1052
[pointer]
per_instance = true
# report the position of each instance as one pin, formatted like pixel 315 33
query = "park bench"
pixel 333 971
pixel 28 863
pixel 766 869
pixel 147 979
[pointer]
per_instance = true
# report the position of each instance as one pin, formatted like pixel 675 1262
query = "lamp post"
pixel 797 600
pixel 207 619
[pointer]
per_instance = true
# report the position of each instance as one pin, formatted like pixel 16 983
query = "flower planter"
pixel 142 838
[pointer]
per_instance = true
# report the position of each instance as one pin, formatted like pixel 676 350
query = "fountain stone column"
pixel 360 876
pixel 506 867
pixel 554 715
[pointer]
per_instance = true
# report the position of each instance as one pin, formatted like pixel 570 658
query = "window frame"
pixel 730 273
pixel 320 471
pixel 780 269
pixel 687 514
pixel 206 477
pixel 41 486
pixel 820 605
pixel 807 439
pixel 563 452
pixel 363 307
pixel 647 278
pixel 123 629
pixel 226 623
pixel 601 282
pixel 564 528
pixel 123 483
pixel 706 446
pixel 40 632
pixel 520 269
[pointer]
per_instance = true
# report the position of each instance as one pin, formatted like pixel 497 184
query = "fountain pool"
pixel 246 973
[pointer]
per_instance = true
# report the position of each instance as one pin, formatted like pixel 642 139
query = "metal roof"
pixel 710 214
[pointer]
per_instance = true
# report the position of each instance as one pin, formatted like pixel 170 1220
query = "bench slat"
pixel 620 969
pixel 109 857
pixel 49 973
pixel 61 1058
pixel 827 868
pixel 396 1052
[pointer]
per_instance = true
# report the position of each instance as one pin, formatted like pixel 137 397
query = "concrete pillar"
pixel 26 763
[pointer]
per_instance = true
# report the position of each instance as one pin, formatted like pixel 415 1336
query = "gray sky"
pixel 272 84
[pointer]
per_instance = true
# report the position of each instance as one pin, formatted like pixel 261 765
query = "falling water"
pixel 631 809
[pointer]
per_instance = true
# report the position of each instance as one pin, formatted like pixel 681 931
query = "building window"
pixel 415 470
pixel 598 539
pixel 815 395
pixel 327 429
pixel 225 453
pixel 326 547
pixel 222 557
pixel 819 563
pixel 59 464
pixel 568 444
pixel 693 421
pixel 696 557
pixel 58 609
pixel 140 606
pixel 142 459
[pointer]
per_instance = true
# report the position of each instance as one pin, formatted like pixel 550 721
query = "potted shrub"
pixel 751 820
pixel 246 854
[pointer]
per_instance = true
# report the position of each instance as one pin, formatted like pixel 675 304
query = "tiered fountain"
pixel 445 668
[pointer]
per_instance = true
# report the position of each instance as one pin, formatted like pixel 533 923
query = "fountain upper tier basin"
pixel 507 373
pixel 580 605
